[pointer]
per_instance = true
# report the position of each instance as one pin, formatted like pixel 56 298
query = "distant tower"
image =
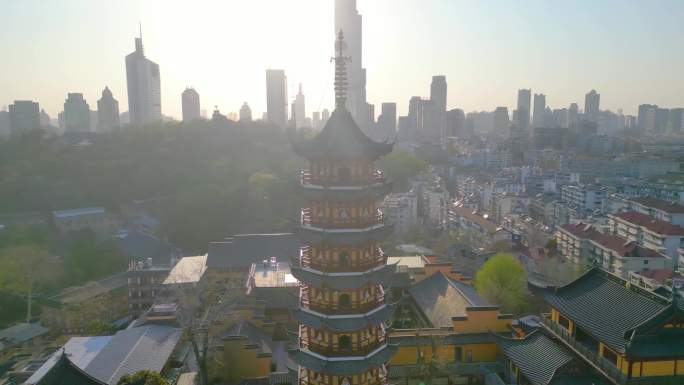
pixel 349 21
pixel 245 113
pixel 276 97
pixel 539 117
pixel 325 115
pixel 44 119
pixel 342 311
pixel 523 111
pixel 592 102
pixel 190 100
pixel 24 115
pixel 144 87
pixel 438 92
pixel 387 121
pixel 300 108
pixel 76 113
pixel 107 112
pixel 501 121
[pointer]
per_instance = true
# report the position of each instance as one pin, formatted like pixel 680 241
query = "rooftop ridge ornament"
pixel 340 71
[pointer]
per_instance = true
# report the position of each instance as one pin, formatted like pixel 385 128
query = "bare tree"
pixel 23 267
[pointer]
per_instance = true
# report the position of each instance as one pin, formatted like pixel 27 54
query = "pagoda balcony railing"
pixel 332 266
pixel 351 307
pixel 307 178
pixel 361 348
pixel 382 380
pixel 307 219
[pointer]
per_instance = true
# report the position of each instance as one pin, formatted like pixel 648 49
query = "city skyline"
pixel 483 70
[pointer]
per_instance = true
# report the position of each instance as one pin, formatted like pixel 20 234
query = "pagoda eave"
pixel 344 237
pixel 343 367
pixel 345 194
pixel 341 323
pixel 378 276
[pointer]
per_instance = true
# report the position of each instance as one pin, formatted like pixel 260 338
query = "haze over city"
pixel 630 51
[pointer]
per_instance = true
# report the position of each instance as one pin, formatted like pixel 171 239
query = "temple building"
pixel 342 311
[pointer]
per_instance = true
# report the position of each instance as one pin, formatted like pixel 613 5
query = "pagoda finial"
pixel 340 71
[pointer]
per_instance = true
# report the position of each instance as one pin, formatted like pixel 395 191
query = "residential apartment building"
pixel 401 209
pixel 658 209
pixel 649 232
pixel 586 197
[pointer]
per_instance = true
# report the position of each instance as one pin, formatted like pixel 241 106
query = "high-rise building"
pixel 107 112
pixel 560 118
pixel 300 108
pixel 4 122
pixel 501 121
pixel 642 117
pixel 325 115
pixel 342 311
pixel 539 114
pixel 573 116
pixel 438 92
pixel 276 97
pixel 44 119
pixel 349 21
pixel 676 119
pixel 522 122
pixel 387 121
pixel 662 120
pixel 190 101
pixel 144 87
pixel 24 115
pixel 592 102
pixel 455 123
pixel 76 113
pixel 316 120
pixel 245 113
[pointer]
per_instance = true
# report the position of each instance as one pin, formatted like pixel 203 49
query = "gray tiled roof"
pixel 21 333
pixel 441 298
pixel 240 251
pixel 603 306
pixel 347 281
pixel 537 356
pixel 140 246
pixel 143 348
pixel 343 324
pixel 341 138
pixel 343 367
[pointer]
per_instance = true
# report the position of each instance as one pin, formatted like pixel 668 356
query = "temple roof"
pixel 538 357
pixel 340 139
pixel 606 306
pixel 342 323
pixel 343 367
pixel 381 275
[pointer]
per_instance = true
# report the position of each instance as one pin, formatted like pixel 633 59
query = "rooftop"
pixel 409 261
pixel 483 222
pixel 670 208
pixel 652 224
pixel 537 356
pixel 21 333
pixel 62 214
pixel 441 298
pixel 275 274
pixel 241 251
pixel 187 270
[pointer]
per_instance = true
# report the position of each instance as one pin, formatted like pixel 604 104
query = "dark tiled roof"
pixel 653 224
pixel 341 138
pixel 343 367
pixel 65 372
pixel 21 333
pixel 335 281
pixel 340 324
pixel 240 251
pixel 537 356
pixel 671 208
pixel 651 339
pixel 140 246
pixel 603 306
pixel 441 298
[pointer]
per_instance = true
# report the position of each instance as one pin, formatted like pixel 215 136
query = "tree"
pixel 143 377
pixel 502 281
pixel 400 166
pixel 23 267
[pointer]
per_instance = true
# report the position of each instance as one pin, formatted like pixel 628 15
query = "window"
pixel 564 322
pixel 344 342
pixel 610 355
pixel 344 259
pixel 344 300
pixel 468 355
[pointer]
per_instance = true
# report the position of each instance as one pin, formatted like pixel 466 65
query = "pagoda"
pixel 342 310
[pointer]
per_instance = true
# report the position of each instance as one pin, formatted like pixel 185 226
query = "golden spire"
pixel 340 71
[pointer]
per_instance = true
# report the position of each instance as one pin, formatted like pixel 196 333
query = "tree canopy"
pixel 502 280
pixel 143 377
pixel 400 165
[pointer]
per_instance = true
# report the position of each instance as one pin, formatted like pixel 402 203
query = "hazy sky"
pixel 631 51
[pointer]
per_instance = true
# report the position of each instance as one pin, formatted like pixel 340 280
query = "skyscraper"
pixel 523 111
pixel 438 92
pixel 455 122
pixel 349 21
pixel 44 119
pixel 276 97
pixel 300 108
pixel 591 106
pixel 573 116
pixel 643 116
pixel 190 101
pixel 76 113
pixel 144 87
pixel 387 121
pixel 24 115
pixel 501 121
pixel 107 112
pixel 539 116
pixel 245 113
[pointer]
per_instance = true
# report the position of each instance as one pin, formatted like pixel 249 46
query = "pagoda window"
pixel 344 174
pixel 344 259
pixel 345 381
pixel 344 213
pixel 344 342
pixel 344 300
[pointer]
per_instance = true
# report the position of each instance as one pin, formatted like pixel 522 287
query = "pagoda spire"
pixel 340 71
